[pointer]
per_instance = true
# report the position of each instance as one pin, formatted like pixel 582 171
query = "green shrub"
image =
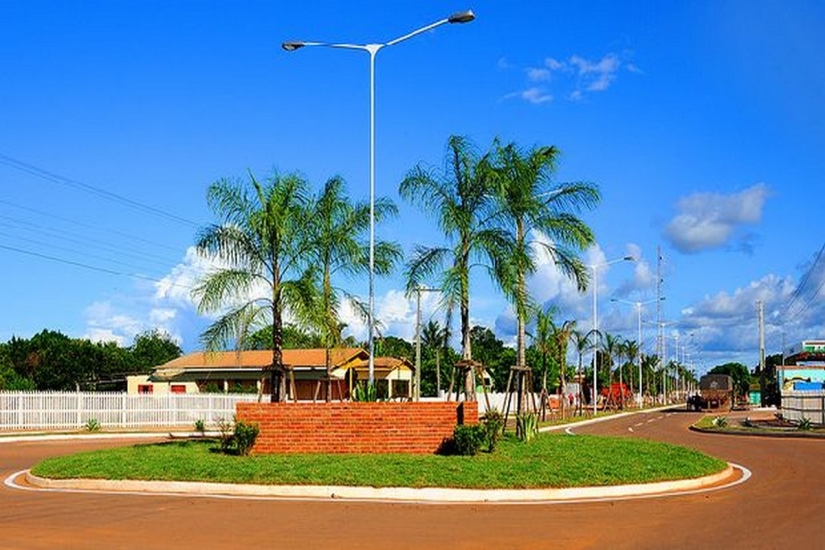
pixel 365 392
pixel 468 439
pixel 225 434
pixel 92 425
pixel 720 421
pixel 493 422
pixel 527 426
pixel 805 425
pixel 200 427
pixel 244 437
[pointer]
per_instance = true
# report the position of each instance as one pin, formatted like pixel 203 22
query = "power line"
pixel 77 238
pixel 798 292
pixel 88 266
pixel 67 249
pixel 91 189
pixel 53 216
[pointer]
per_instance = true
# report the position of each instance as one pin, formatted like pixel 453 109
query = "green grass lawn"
pixel 550 460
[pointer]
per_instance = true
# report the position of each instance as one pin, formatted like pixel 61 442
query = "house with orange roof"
pixel 249 371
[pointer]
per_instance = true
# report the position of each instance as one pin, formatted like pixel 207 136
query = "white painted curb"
pixel 400 494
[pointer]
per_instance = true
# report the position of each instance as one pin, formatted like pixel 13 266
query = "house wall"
pixel 372 428
pixel 136 383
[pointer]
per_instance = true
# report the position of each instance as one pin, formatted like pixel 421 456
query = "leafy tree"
pixel 492 353
pixel 11 381
pixel 293 337
pixel 768 380
pixel 393 346
pixel 53 361
pixel 261 244
pixel 539 217
pixel 152 348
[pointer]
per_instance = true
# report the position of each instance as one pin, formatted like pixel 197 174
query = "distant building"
pixel 803 366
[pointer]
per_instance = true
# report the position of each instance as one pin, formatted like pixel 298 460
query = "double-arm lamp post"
pixel 594 268
pixel 373 49
pixel 639 312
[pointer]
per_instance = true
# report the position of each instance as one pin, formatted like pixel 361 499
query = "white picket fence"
pixel 497 401
pixel 73 410
pixel 798 405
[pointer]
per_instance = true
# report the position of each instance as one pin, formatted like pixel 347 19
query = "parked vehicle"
pixel 716 391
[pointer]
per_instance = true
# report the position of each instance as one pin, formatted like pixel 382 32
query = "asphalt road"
pixel 780 506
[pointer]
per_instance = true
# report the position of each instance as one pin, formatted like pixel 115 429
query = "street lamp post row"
pixel 639 312
pixel 594 268
pixel 372 50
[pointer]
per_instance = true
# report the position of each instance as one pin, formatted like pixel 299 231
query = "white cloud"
pixel 176 287
pixel 577 76
pixel 712 220
pixel 555 65
pixel 538 75
pixel 105 323
pixel 504 64
pixel 533 95
pixel 105 335
pixel 596 76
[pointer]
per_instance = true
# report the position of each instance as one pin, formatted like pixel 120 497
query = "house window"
pixel 145 388
pixel 178 388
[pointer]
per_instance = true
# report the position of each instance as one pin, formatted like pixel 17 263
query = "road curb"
pixel 393 494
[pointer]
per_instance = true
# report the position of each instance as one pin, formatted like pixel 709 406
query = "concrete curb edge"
pixel 398 494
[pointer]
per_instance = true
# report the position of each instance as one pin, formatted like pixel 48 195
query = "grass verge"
pixel 743 426
pixel 550 460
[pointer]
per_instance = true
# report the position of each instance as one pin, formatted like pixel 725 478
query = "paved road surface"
pixel 781 506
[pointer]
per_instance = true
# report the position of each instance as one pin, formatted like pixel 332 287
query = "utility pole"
pixel 417 377
pixel 760 307
pixel 659 326
pixel 761 310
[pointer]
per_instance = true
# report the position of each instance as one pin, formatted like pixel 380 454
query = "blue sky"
pixel 702 122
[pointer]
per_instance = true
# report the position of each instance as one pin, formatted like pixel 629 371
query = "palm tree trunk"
pixel 329 336
pixel 278 380
pixel 437 372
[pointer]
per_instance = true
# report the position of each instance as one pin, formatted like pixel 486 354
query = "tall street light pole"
pixel 594 268
pixel 373 49
pixel 638 306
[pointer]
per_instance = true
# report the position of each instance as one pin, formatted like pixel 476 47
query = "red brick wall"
pixel 355 427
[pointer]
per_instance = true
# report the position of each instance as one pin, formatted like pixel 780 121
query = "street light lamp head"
pixel 292 46
pixel 462 17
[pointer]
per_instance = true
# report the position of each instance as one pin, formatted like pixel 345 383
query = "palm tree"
pixel 582 342
pixel 433 337
pixel 561 336
pixel 260 246
pixel 539 218
pixel 610 350
pixel 459 199
pixel 630 350
pixel 337 247
pixel 649 364
pixel 543 342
